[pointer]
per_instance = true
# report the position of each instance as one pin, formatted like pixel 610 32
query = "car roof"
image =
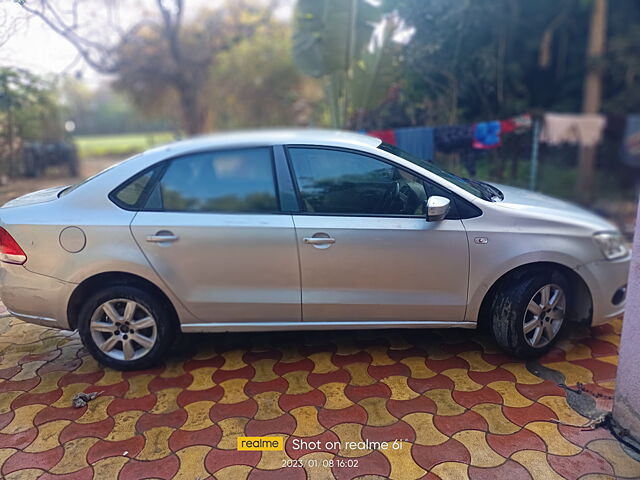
pixel 290 136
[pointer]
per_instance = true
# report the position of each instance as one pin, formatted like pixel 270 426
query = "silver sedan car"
pixel 279 230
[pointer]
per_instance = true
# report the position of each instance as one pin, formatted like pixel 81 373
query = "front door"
pixel 212 230
pixel 367 252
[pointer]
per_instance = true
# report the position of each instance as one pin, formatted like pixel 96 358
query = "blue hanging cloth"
pixel 417 141
pixel 486 135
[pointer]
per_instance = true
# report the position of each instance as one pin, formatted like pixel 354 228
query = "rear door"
pixel 367 252
pixel 213 230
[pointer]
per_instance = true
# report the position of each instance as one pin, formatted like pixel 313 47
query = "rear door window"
pixel 230 181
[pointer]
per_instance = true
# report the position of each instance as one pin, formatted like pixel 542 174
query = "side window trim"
pixel 153 184
pixel 288 198
pixel 426 181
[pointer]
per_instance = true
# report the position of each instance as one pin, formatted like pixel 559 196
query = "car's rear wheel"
pixel 126 328
pixel 528 313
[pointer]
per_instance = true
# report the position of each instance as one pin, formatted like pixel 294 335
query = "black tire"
pixel 511 304
pixel 165 328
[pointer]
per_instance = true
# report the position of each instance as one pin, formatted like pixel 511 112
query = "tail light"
pixel 10 251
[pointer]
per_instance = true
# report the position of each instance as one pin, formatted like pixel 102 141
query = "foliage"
pixel 158 57
pixel 256 84
pixel 474 60
pixel 328 41
pixel 330 34
pixel 29 111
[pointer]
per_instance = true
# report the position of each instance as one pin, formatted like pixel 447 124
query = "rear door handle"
pixel 162 237
pixel 319 240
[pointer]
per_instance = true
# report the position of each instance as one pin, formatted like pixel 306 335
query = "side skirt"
pixel 266 326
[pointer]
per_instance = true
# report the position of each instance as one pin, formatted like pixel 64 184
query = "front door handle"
pixel 163 236
pixel 319 240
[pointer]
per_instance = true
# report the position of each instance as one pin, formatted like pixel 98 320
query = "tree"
pixel 9 23
pixel 29 110
pixel 256 83
pixel 329 37
pixel 159 54
pixel 592 98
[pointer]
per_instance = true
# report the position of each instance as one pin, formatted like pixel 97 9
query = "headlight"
pixel 611 244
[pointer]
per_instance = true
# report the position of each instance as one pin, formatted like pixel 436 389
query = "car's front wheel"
pixel 126 328
pixel 528 313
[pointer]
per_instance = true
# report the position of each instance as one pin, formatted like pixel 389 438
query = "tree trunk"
pixel 10 142
pixel 592 95
pixel 194 116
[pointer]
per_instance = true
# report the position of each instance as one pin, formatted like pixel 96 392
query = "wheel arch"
pixel 105 279
pixel 580 300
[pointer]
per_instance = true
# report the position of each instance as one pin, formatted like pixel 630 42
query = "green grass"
pixel 119 145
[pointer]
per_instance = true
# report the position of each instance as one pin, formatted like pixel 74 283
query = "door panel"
pixel 225 267
pixel 366 249
pixel 383 269
pixel 211 229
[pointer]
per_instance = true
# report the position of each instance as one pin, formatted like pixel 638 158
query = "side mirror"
pixel 437 208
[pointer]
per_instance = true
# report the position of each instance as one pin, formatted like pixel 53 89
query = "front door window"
pixel 337 182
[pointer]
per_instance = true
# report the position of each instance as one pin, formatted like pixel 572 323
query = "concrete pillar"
pixel 626 407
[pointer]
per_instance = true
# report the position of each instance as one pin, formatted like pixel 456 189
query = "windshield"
pixel 475 187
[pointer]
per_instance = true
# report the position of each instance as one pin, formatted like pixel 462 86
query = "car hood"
pixel 41 196
pixel 553 208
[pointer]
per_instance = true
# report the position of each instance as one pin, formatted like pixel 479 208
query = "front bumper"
pixel 35 298
pixel 605 279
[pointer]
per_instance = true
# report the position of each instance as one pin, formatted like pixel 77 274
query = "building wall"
pixel 626 409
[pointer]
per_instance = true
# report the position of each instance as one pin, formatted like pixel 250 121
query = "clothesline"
pixel 471 140
pixel 423 142
pixel 557 129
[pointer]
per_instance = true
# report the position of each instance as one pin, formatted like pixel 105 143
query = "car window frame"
pixel 164 164
pixel 160 167
pixel 426 182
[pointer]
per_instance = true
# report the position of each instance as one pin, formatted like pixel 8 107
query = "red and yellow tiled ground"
pixel 458 406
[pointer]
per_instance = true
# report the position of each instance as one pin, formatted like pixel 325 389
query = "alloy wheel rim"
pixel 544 315
pixel 123 329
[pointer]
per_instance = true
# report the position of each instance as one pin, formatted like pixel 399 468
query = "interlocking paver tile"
pixel 571 468
pixel 459 407
pixel 508 470
pixel 450 451
pixel 426 432
pixel 613 453
pixel 354 413
pixel 452 470
pixel 536 463
pixel 482 455
pixel 495 418
pixel 556 443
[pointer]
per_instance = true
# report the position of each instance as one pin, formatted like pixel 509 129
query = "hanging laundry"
pixel 508 126
pixel 387 136
pixel 452 138
pixel 486 135
pixel 582 129
pixel 522 122
pixel 418 141
pixel 632 141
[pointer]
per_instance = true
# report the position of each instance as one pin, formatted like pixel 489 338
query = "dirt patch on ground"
pixel 54 176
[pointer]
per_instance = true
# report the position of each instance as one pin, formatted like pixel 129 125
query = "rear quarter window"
pixel 129 195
